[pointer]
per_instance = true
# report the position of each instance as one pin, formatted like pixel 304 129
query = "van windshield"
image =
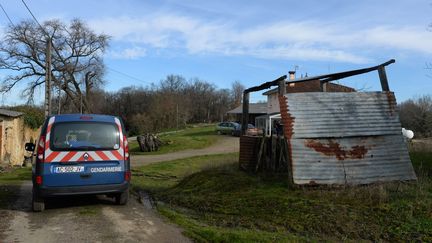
pixel 84 136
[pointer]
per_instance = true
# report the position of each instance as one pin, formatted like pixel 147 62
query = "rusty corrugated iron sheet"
pixel 345 138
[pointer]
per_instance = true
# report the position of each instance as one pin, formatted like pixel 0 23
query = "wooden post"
pixel 282 87
pixel 245 114
pixel 273 160
pixel 323 86
pixel 383 78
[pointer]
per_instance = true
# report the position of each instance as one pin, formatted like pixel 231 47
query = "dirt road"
pixel 86 219
pixel 226 144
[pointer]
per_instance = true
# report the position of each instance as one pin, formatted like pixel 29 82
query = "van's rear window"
pixel 86 136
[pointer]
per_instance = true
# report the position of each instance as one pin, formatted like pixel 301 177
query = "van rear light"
pixel 126 147
pixel 127 175
pixel 39 180
pixel 86 117
pixel 41 148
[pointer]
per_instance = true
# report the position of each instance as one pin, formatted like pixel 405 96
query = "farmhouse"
pixel 255 110
pixel 13 136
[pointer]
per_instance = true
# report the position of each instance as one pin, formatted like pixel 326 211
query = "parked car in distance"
pixel 226 127
pixel 80 154
pixel 250 131
pixel 238 128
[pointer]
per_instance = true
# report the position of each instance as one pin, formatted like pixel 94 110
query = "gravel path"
pixel 226 144
pixel 87 219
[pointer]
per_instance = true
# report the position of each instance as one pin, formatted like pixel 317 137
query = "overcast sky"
pixel 251 41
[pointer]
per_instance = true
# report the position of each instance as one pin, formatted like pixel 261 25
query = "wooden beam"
pixel 245 114
pixel 266 85
pixel 383 78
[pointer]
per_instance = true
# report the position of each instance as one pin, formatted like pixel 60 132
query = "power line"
pixel 129 76
pixel 7 16
pixel 47 65
pixel 35 19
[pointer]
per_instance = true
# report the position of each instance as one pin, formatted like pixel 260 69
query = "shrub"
pixel 33 116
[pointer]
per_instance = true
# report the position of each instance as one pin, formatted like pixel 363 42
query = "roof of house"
pixel 10 113
pixel 254 108
pixel 310 86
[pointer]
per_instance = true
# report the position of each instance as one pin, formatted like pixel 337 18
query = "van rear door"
pixel 80 153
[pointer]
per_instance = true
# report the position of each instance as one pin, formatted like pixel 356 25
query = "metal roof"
pixel 10 113
pixel 345 138
pixel 254 108
pixel 322 78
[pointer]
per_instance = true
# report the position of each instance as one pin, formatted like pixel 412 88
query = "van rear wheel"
pixel 38 203
pixel 122 198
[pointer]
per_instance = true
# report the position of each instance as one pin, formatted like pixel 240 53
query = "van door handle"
pixel 85 176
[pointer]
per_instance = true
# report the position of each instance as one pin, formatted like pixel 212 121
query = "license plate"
pixel 69 169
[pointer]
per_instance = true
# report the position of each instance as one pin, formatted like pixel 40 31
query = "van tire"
pixel 122 198
pixel 38 203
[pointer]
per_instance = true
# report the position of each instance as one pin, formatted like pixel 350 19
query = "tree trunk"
pixel 149 142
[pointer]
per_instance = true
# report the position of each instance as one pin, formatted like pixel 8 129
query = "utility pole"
pixel 59 101
pixel 48 78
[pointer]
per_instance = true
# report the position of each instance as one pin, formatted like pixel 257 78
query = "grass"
pixel 92 210
pixel 223 204
pixel 195 137
pixel 10 182
pixel 205 233
pixel 15 176
pixel 160 176
pixel 422 162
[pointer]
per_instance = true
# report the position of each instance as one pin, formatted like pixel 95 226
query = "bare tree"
pixel 237 92
pixel 417 115
pixel 77 65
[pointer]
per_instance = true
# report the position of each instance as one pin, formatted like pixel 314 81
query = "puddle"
pixel 146 200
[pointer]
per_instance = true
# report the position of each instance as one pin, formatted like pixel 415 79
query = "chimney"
pixel 292 75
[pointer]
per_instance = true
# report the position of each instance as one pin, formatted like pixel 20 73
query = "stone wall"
pixel 14 136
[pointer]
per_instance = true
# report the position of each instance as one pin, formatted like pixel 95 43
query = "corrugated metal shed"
pixel 345 138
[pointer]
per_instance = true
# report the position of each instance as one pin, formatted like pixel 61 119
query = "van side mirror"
pixel 30 147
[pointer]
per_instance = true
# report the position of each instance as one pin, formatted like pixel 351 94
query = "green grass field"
pixel 160 176
pixel 215 202
pixel 190 138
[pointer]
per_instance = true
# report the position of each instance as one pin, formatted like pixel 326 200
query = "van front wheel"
pixel 38 204
pixel 122 198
